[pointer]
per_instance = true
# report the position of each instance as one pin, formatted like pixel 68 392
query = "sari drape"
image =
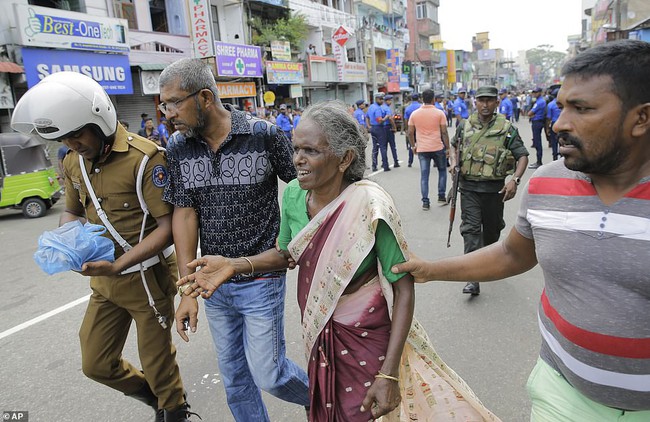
pixel 346 336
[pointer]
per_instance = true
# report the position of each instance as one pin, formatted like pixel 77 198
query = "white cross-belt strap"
pixel 100 212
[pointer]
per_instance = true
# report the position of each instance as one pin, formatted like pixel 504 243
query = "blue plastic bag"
pixel 69 246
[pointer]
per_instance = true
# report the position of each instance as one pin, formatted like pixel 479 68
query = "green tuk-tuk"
pixel 27 178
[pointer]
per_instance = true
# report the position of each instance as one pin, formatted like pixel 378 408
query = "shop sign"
pixel 354 72
pixel 111 71
pixel 394 65
pixel 201 29
pixel 236 89
pixel 238 60
pixel 284 73
pixel 281 50
pixel 55 28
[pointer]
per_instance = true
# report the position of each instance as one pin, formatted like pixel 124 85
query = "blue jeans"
pixel 440 160
pixel 247 325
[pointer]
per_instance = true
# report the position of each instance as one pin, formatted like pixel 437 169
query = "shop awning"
pixel 10 67
pixel 152 66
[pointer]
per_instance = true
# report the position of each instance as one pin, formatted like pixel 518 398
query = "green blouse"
pixel 295 218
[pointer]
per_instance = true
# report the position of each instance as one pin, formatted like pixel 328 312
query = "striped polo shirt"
pixel 594 313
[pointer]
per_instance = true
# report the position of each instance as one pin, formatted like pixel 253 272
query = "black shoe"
pixel 180 414
pixel 387 169
pixel 410 165
pixel 442 199
pixel 374 169
pixel 396 165
pixel 426 206
pixel 472 289
pixel 535 166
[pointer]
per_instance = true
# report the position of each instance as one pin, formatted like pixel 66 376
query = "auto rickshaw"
pixel 27 178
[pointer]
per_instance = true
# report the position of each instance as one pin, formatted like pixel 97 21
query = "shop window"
pixel 125 9
pixel 215 23
pixel 72 5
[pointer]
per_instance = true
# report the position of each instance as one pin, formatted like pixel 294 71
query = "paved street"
pixel 491 340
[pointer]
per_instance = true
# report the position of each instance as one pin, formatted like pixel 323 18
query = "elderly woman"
pixel 365 353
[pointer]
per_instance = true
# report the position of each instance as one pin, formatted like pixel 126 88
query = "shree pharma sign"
pixel 54 28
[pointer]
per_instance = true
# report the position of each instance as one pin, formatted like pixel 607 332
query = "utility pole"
pixel 373 63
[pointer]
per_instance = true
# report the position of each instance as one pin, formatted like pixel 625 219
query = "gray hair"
pixel 192 74
pixel 342 132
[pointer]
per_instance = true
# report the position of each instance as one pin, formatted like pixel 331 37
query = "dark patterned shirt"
pixel 235 189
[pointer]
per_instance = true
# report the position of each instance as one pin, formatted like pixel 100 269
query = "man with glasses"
pixel 224 171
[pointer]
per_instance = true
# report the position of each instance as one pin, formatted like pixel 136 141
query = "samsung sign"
pixel 112 71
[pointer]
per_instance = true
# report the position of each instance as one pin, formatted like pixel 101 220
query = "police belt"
pixel 148 263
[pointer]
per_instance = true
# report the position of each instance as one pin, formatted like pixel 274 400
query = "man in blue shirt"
pixel 537 116
pixel 515 106
pixel 438 103
pixel 505 107
pixel 460 108
pixel 375 118
pixel 283 122
pixel 297 117
pixel 360 114
pixel 390 128
pixel 552 114
pixel 415 104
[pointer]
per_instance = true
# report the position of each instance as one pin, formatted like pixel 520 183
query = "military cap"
pixel 487 91
pixel 503 91
pixel 359 102
pixel 415 96
pixel 462 91
pixel 388 97
pixel 379 95
pixel 283 106
pixel 439 95
pixel 538 89
pixel 555 91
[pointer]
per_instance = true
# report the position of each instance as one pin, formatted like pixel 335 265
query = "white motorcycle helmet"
pixel 62 103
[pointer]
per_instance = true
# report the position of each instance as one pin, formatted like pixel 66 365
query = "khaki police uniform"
pixel 119 299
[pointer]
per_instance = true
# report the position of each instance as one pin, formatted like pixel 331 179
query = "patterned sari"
pixel 346 336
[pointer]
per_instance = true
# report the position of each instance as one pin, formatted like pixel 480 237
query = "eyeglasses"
pixel 164 107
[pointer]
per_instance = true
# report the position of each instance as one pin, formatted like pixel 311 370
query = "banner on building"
pixel 354 72
pixel 295 91
pixel 56 28
pixel 394 65
pixel 284 73
pixel 451 66
pixel 149 82
pixel 281 51
pixel 238 60
pixel 111 71
pixel 236 89
pixel 201 29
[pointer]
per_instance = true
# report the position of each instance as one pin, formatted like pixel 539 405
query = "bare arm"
pixel 385 392
pixel 514 255
pixel 510 189
pixel 445 137
pixel 156 241
pixel 185 227
pixel 216 270
pixel 412 137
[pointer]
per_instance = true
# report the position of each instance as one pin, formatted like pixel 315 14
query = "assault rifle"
pixel 453 192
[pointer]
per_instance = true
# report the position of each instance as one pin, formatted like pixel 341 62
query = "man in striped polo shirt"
pixel 586 220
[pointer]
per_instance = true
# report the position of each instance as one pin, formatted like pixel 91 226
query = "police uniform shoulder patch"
pixel 159 176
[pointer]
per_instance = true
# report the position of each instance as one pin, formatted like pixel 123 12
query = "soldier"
pixel 102 188
pixel 390 128
pixel 491 149
pixel 505 106
pixel 537 116
pixel 376 116
pixel 460 107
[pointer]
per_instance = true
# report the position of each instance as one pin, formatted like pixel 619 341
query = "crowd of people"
pixel 583 219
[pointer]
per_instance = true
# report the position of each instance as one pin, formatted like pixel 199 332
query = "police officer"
pixel 390 127
pixel 505 106
pixel 360 115
pixel 414 105
pixel 537 116
pixel 284 122
pixel 375 119
pixel 460 107
pixel 102 188
pixel 552 114
pixel 490 150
